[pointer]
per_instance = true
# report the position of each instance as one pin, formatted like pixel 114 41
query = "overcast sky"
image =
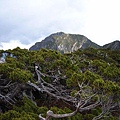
pixel 24 22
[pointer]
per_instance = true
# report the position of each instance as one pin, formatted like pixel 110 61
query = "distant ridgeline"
pixel 4 55
pixel 64 43
pixel 67 43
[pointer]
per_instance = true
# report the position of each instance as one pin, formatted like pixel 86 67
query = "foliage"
pixel 20 75
pixel 98 70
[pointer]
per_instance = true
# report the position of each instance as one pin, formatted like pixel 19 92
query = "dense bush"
pixel 97 69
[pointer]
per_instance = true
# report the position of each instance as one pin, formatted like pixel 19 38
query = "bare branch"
pixel 51 114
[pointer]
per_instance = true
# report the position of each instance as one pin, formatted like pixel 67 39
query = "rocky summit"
pixel 115 45
pixel 64 43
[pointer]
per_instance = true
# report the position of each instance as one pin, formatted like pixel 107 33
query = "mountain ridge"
pixel 67 43
pixel 115 45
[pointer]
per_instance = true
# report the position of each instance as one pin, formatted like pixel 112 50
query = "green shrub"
pixel 20 75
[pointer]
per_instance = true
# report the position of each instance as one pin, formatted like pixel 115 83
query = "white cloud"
pixel 17 43
pixel 102 20
pixel 28 20
pixel 12 44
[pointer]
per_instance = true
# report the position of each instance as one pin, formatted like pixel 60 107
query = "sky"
pixel 25 22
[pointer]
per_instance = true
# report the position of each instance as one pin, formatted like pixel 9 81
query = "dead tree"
pixel 81 103
pixel 83 99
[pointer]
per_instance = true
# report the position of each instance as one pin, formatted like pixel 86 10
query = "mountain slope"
pixel 64 43
pixel 113 45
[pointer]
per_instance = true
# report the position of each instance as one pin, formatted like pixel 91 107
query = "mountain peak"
pixel 115 45
pixel 65 43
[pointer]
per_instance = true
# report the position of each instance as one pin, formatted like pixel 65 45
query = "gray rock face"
pixel 64 43
pixel 2 60
pixel 113 45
